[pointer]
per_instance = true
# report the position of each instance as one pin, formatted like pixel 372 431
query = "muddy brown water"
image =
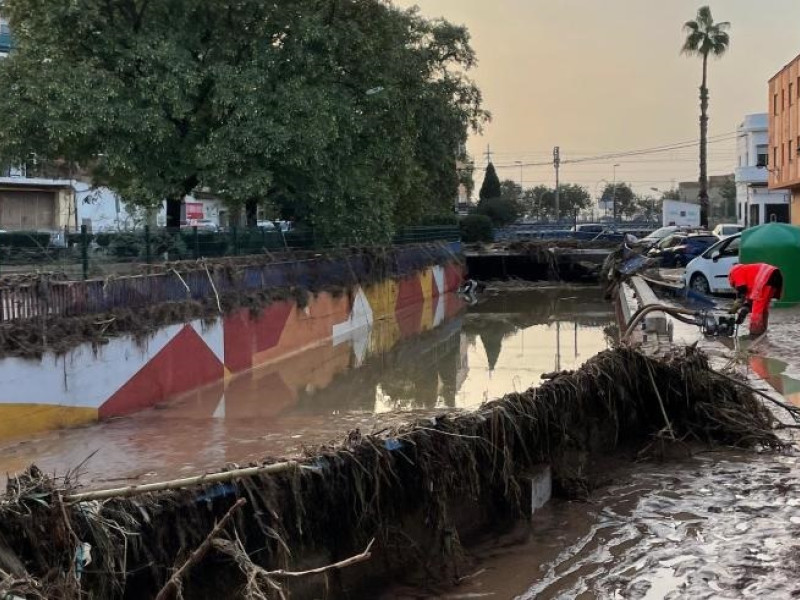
pixel 502 344
pixel 722 524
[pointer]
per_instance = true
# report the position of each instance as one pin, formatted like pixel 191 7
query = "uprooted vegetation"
pixel 68 314
pixel 410 489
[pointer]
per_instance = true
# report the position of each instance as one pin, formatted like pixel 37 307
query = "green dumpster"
pixel 777 244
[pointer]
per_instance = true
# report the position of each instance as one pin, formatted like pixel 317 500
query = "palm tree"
pixel 704 37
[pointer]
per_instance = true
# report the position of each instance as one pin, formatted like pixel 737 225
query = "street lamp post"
pixel 614 200
pixel 600 197
pixel 657 191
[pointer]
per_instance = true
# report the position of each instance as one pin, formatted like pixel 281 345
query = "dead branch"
pixel 342 564
pixel 213 287
pixel 175 484
pixel 660 401
pixel 196 556
pixel 258 577
pixel 792 410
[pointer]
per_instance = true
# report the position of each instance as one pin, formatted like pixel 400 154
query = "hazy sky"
pixel 594 76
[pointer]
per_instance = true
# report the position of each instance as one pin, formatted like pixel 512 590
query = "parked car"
pixel 708 273
pixel 724 230
pixel 275 225
pixel 592 227
pixel 206 225
pixel 679 249
pixel 654 238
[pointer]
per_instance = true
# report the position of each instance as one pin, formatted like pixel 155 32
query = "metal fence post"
pixel 84 252
pixel 196 239
pixel 235 241
pixel 148 257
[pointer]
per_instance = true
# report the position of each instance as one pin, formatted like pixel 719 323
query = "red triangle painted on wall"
pixel 184 364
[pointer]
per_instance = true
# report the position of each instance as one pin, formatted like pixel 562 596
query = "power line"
pixel 641 152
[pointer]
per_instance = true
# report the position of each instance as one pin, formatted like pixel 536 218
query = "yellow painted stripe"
pixel 22 420
pixel 382 298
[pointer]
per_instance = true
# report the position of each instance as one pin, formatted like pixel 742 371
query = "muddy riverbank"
pixel 722 524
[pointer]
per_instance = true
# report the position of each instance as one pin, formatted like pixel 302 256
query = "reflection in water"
pixel 502 344
pixel 772 371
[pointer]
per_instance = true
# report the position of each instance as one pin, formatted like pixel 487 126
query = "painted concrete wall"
pixel 124 376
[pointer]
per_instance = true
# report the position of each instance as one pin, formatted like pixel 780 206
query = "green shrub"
pixel 476 228
pixel 103 239
pixel 24 239
pixel 502 211
pixel 125 244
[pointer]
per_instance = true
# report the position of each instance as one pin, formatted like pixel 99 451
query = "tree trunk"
pixel 174 213
pixel 251 212
pixel 703 195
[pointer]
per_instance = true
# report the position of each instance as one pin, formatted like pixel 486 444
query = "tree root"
pixel 173 586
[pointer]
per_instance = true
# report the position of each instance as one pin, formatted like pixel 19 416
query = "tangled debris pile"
pixel 409 489
pixel 40 313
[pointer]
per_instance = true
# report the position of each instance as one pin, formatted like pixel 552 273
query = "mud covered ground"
pixel 721 525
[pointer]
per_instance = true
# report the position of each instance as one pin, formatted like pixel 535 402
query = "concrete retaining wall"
pixel 125 376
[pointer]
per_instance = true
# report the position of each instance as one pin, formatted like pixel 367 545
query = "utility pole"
pixel 557 164
pixel 615 193
pixel 488 154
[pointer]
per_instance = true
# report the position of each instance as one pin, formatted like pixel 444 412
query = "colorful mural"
pixel 123 377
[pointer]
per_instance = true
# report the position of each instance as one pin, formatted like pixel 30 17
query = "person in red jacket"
pixel 756 285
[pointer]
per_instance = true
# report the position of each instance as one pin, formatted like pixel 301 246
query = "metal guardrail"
pixel 556 231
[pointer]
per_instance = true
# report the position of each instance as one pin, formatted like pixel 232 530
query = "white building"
pixel 755 203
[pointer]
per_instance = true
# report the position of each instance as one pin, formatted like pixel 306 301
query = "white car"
pixel 708 273
pixel 724 230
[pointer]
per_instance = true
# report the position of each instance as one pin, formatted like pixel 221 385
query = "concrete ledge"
pixel 655 322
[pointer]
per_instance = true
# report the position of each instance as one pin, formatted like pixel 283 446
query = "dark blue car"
pixel 679 249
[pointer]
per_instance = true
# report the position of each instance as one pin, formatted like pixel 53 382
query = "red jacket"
pixel 755 278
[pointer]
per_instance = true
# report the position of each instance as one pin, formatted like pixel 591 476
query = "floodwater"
pixel 721 525
pixel 501 344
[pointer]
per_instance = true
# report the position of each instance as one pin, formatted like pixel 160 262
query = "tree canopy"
pixel 540 201
pixel 490 188
pixel 704 36
pixel 626 199
pixel 349 115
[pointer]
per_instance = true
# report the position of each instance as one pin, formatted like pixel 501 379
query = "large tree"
pixel 704 38
pixel 349 115
pixel 572 200
pixel 622 197
pixel 490 188
pixel 537 201
pixel 500 200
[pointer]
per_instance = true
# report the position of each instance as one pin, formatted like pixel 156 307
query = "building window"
pixel 775 104
pixel 783 100
pixel 762 155
pixel 798 87
pixel 774 155
pixel 789 144
pixel 791 94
